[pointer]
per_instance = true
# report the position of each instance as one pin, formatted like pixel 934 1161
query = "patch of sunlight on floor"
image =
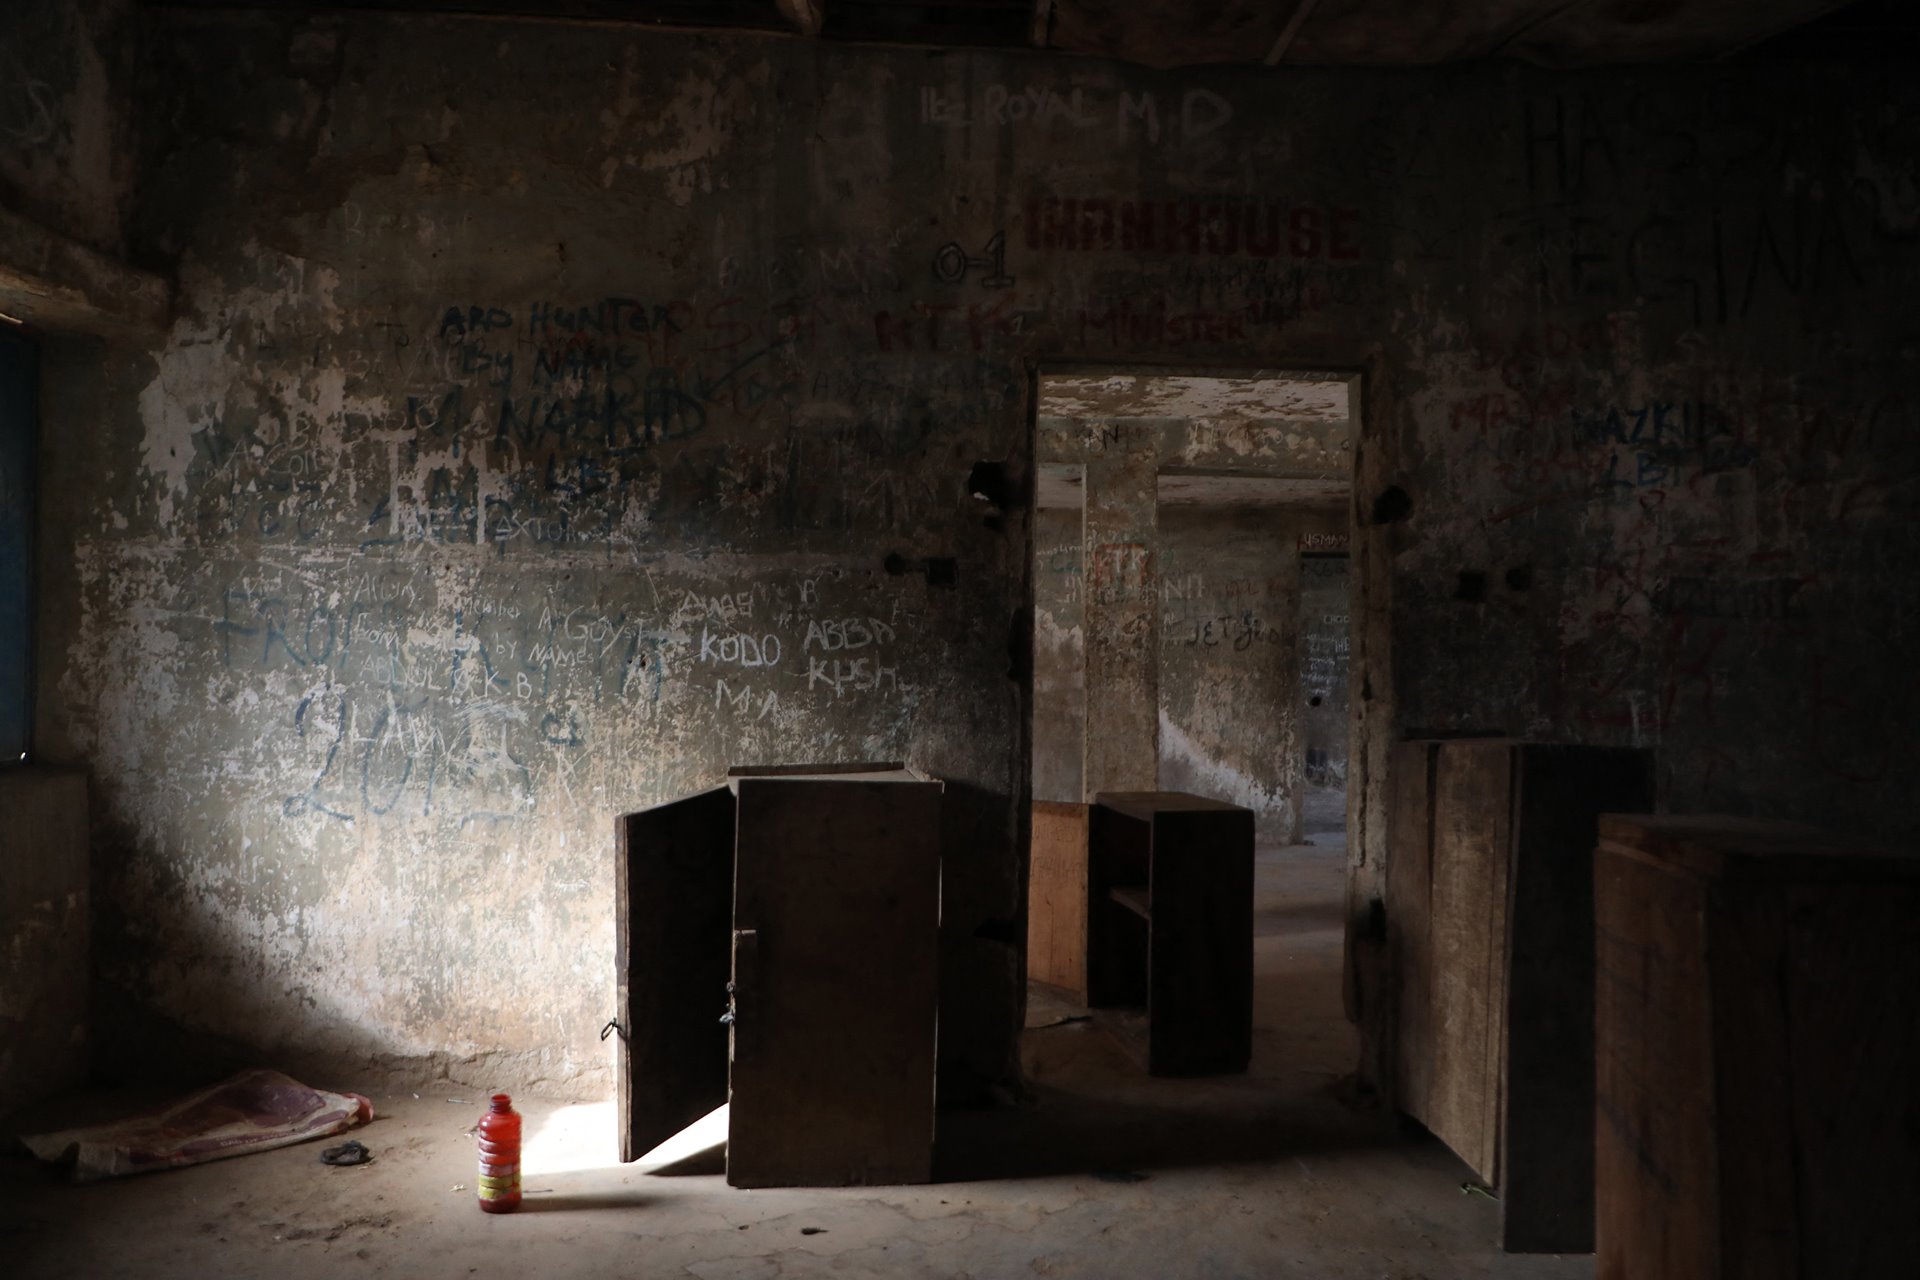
pixel 704 1134
pixel 586 1135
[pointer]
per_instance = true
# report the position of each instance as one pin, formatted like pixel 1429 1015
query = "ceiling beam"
pixel 1284 41
pixel 807 16
pixel 1529 24
pixel 1042 23
pixel 63 286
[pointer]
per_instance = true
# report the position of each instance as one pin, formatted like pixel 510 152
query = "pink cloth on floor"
pixel 256 1110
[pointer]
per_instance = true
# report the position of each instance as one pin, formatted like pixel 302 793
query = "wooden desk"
pixel 1170 925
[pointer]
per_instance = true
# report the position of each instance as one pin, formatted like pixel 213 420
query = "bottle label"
pixel 499 1182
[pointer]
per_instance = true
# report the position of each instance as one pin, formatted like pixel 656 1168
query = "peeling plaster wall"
pixel 1232 698
pixel 66 154
pixel 546 402
pixel 1231 711
pixel 1326 602
pixel 1059 657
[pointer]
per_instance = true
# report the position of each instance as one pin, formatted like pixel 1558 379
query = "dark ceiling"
pixel 1167 33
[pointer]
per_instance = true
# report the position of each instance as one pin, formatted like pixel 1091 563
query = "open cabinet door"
pixel 673 905
pixel 837 920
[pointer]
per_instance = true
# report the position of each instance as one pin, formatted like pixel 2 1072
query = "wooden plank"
pixel 1200 954
pixel 673 905
pixel 1409 916
pixel 836 919
pixel 1655 1185
pixel 1546 1121
pixel 1472 824
pixel 1057 897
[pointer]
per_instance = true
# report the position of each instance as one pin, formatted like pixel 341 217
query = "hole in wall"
pixel 1394 503
pixel 1520 577
pixel 1472 588
pixel 988 482
pixel 941 571
pixel 1376 920
pixel 1020 645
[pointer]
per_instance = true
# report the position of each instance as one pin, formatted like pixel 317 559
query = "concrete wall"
pixel 1104 628
pixel 44 934
pixel 66 150
pixel 66 168
pixel 409 558
pixel 1232 704
pixel 1059 657
pixel 1326 599
pixel 1231 714
pixel 19 446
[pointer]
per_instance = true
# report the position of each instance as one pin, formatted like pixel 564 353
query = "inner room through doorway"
pixel 1190 592
pixel 1190 634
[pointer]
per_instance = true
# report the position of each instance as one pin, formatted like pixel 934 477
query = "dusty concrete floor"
pixel 1109 1174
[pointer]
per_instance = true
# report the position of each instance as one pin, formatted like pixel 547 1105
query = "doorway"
pixel 1191 611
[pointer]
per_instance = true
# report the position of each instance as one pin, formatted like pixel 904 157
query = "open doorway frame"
pixel 1369 672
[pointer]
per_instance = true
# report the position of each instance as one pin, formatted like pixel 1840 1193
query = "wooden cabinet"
pixel 1759 1064
pixel 805 905
pixel 1170 925
pixel 1490 922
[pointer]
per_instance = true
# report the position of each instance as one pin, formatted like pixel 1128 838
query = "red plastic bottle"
pixel 500 1157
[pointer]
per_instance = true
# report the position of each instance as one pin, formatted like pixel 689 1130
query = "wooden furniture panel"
pixel 1473 788
pixel 803 905
pixel 836 929
pixel 1057 897
pixel 1119 857
pixel 1170 925
pixel 1547 1076
pixel 1646 1083
pixel 673 919
pixel 1759 1067
pixel 1409 895
pixel 1490 914
pixel 1761 1239
pixel 1200 957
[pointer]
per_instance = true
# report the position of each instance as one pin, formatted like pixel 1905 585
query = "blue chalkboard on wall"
pixel 19 362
